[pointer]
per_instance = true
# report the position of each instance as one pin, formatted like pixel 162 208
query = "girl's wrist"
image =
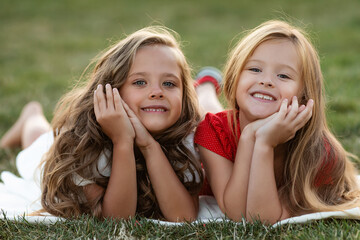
pixel 248 133
pixel 263 146
pixel 150 147
pixel 126 142
pixel 264 141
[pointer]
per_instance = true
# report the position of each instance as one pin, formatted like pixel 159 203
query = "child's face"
pixel 270 75
pixel 153 88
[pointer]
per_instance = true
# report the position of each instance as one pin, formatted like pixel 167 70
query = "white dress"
pixel 21 195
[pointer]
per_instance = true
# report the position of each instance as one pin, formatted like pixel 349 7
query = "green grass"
pixel 90 228
pixel 45 45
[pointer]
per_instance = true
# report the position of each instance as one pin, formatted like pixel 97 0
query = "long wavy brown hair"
pixel 314 148
pixel 79 140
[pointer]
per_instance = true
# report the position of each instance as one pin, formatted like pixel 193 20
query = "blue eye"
pixel 283 76
pixel 139 82
pixel 169 84
pixel 254 70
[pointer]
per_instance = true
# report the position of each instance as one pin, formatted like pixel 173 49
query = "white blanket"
pixel 20 196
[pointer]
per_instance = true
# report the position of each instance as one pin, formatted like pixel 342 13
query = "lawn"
pixel 45 46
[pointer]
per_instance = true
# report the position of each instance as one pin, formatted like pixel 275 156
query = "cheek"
pixel 129 100
pixel 177 97
pixel 179 104
pixel 126 100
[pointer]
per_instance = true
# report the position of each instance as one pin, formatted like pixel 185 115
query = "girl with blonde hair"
pixel 121 144
pixel 272 156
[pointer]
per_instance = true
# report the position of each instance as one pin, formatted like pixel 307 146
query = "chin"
pixel 155 130
pixel 258 116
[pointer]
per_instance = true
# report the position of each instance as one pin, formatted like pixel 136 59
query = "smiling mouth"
pixel 263 96
pixel 154 109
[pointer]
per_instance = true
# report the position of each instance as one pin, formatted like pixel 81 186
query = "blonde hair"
pixel 79 140
pixel 314 148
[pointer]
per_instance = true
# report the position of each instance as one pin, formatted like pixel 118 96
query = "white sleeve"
pixel 103 167
pixel 189 144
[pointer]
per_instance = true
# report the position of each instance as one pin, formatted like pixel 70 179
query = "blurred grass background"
pixel 45 45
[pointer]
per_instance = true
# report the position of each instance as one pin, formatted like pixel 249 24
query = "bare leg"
pixel 29 126
pixel 208 99
pixel 207 85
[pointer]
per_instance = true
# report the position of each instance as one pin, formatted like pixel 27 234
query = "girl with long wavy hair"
pixel 271 156
pixel 120 144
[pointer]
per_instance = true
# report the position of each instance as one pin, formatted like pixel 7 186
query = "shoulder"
pixel 215 134
pixel 221 117
pixel 213 122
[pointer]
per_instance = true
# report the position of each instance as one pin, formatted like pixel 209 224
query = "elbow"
pixel 180 215
pixel 235 216
pixel 266 220
pixel 189 216
pixel 124 216
pixel 233 211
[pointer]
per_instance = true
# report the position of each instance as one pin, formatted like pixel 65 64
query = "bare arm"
pixel 120 197
pixel 235 195
pixel 229 181
pixel 263 200
pixel 175 201
pixel 218 172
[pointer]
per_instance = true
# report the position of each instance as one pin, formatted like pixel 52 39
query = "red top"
pixel 214 134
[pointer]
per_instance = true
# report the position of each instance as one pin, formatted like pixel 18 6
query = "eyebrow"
pixel 163 75
pixel 282 65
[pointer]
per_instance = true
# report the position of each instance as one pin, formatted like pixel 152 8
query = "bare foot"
pixel 13 137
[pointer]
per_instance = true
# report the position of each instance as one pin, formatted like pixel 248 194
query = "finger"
pixel 100 98
pixel 109 97
pixel 96 105
pixel 137 124
pixel 283 108
pixel 130 113
pixel 294 109
pixel 117 100
pixel 289 108
pixel 301 108
pixel 305 115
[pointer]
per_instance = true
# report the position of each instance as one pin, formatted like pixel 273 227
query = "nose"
pixel 156 93
pixel 267 82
